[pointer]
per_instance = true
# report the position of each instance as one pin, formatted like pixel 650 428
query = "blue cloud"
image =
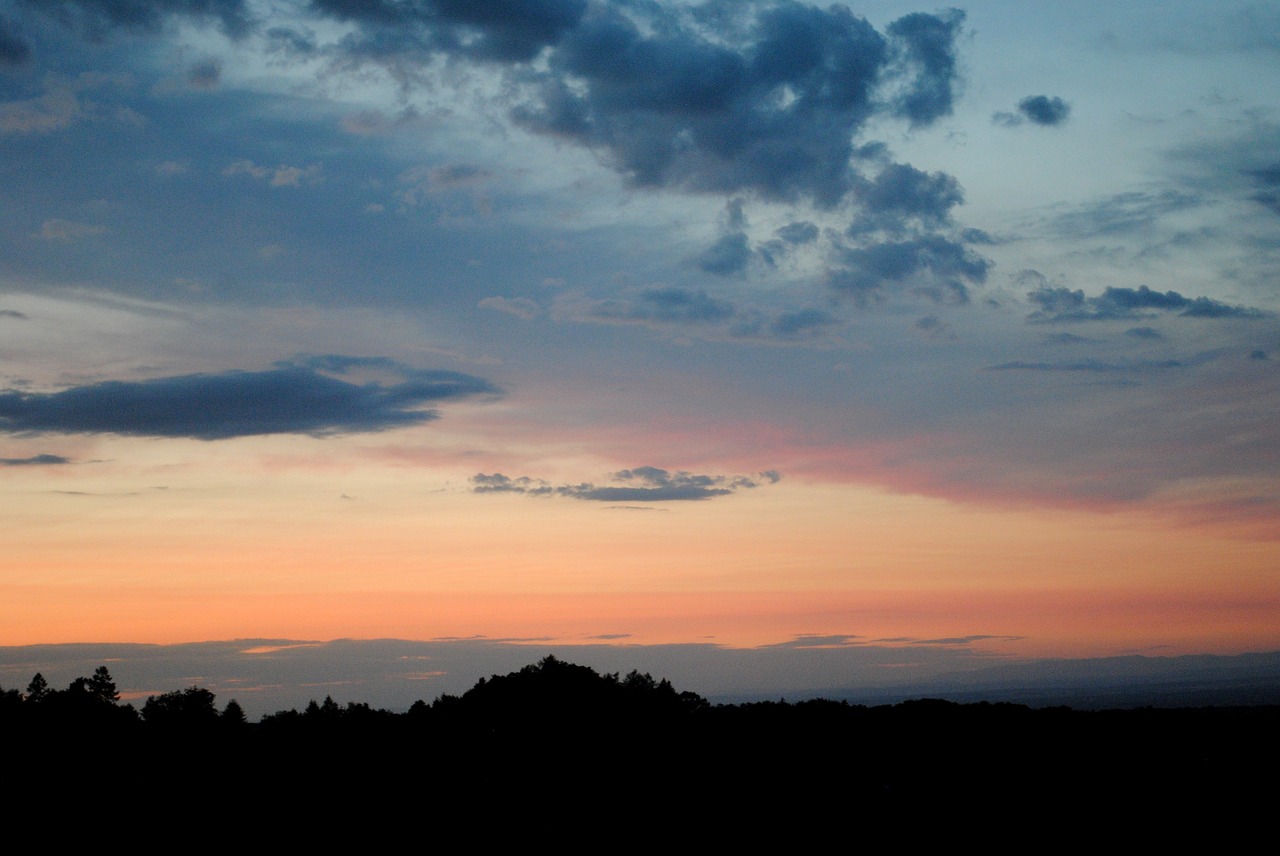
pixel 310 395
pixel 927 51
pixel 34 461
pixel 728 256
pixel 1063 304
pixel 671 305
pixel 943 269
pixel 13 49
pixel 96 17
pixel 1044 110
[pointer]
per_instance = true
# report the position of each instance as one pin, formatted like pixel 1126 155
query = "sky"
pixel 901 332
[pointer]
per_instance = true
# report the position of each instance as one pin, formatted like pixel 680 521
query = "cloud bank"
pixel 319 396
pixel 1063 304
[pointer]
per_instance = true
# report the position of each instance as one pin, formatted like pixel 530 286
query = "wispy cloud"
pixel 641 484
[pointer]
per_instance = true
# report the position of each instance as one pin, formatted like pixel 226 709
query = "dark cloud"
pixel 934 328
pixel 320 396
pixel 671 305
pixel 641 484
pixel 802 232
pixel 801 322
pixel 1088 366
pixel 34 461
pixel 286 40
pixel 787 238
pixel 13 50
pixel 926 53
pixel 1267 180
pixel 768 105
pixel 814 640
pixel 97 17
pixel 13 313
pixel 1144 333
pixel 728 256
pixel 205 74
pixel 499 30
pixel 458 175
pixel 1044 110
pixel 964 640
pixel 902 195
pixel 682 309
pixel 1062 304
pixel 932 266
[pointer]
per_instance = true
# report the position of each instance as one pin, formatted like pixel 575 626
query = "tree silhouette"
pixel 233 714
pixel 38 689
pixel 192 707
pixel 102 686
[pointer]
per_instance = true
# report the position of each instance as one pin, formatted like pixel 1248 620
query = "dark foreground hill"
pixel 556 738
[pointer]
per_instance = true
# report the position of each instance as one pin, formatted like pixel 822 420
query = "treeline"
pixel 551 693
pixel 558 728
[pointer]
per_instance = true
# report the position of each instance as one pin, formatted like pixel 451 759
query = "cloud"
pixel 682 309
pixel 1066 339
pixel 761 98
pixel 665 305
pixel 521 307
pixel 802 232
pixel 13 313
pixel 934 328
pixel 728 256
pixel 205 74
pixel 95 18
pixel 902 198
pixel 66 230
pixel 927 56
pixel 281 176
pixel 59 105
pixel 1044 110
pixel 1062 304
pixel 965 640
pixel 34 461
pixel 801 322
pixel 498 30
pixel 1089 366
pixel 1267 180
pixel 641 484
pixel 320 396
pixel 806 641
pixel 457 175
pixel 1124 213
pixel 423 181
pixel 13 50
pixel 932 266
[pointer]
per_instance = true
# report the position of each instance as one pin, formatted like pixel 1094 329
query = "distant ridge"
pixel 1135 680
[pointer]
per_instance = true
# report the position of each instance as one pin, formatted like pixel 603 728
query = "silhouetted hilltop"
pixel 553 696
pixel 551 729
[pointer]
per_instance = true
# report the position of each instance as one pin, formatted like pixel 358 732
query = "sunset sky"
pixel 642 323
